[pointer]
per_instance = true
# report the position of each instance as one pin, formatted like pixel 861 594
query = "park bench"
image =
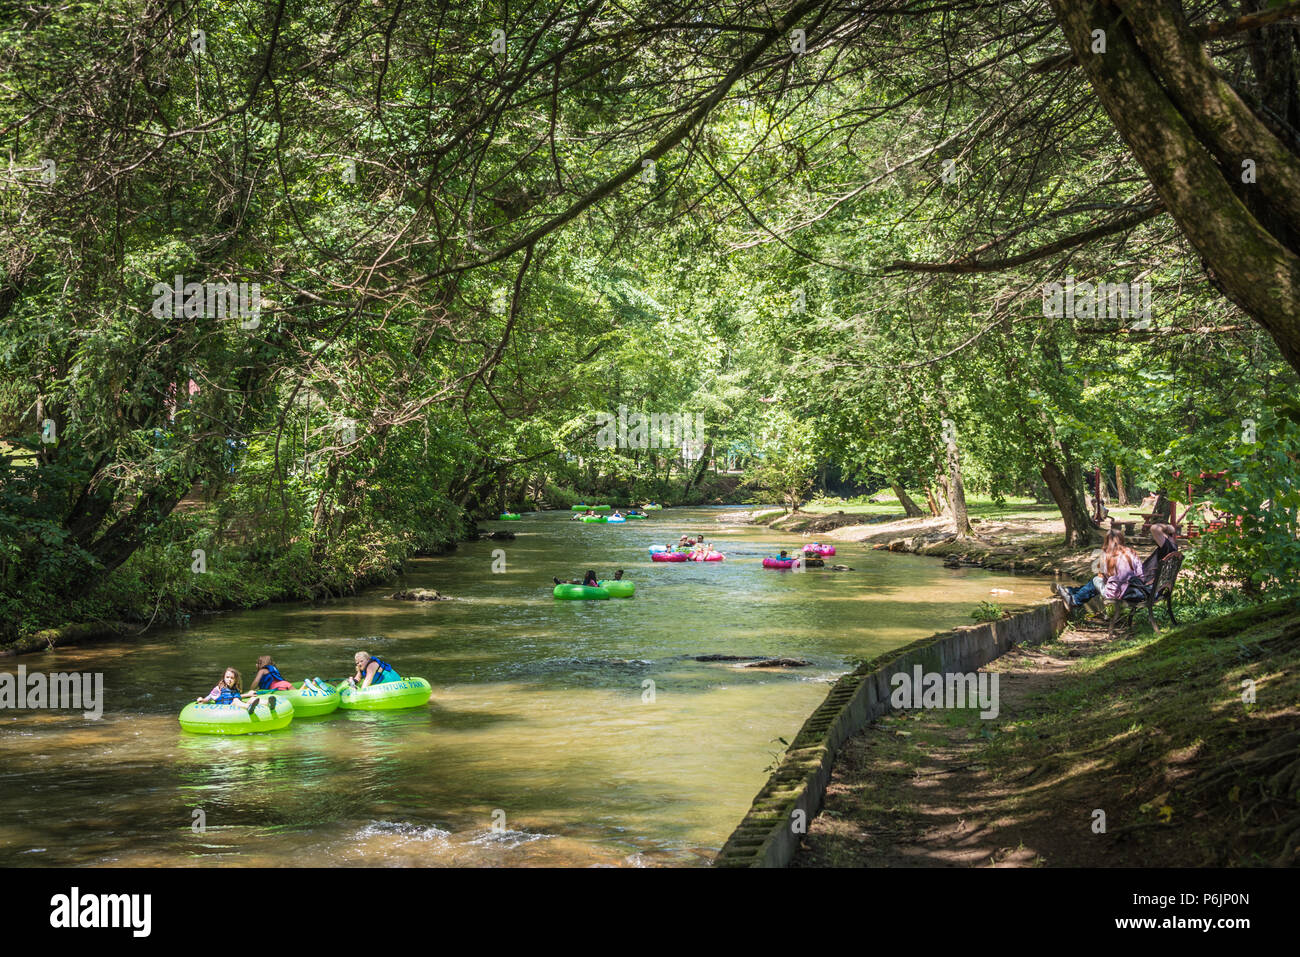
pixel 1166 575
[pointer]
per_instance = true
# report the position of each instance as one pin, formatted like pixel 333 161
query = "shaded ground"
pixel 1151 730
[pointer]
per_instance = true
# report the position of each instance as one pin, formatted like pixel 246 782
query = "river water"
pixel 560 732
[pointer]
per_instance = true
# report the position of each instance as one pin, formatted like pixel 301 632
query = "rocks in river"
pixel 419 594
pixel 779 663
pixel 496 536
pixel 755 661
pixel 839 568
pixel 814 562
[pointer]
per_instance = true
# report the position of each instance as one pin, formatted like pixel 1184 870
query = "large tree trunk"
pixel 1191 131
pixel 957 493
pixel 910 508
pixel 1079 529
pixel 1121 494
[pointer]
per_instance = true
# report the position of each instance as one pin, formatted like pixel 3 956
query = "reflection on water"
pixel 560 732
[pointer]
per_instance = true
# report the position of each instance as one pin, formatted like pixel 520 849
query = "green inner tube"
pixel 633 517
pixel 651 508
pixel 509 516
pixel 619 589
pixel 576 592
pixel 389 696
pixel 595 518
pixel 578 508
pixel 308 703
pixel 601 508
pixel 233 718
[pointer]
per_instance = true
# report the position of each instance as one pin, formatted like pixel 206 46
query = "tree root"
pixel 1274 768
pixel 1285 748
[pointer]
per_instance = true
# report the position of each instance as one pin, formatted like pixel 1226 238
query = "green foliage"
pixel 441 330
pixel 1258 546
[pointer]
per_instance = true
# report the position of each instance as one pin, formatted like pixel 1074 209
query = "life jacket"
pixel 385 669
pixel 227 695
pixel 272 675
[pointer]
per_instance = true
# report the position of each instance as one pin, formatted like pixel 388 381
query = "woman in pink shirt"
pixel 1120 565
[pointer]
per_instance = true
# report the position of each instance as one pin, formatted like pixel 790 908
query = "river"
pixel 560 732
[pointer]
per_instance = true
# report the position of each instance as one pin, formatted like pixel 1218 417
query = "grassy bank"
pixel 206 558
pixel 1188 741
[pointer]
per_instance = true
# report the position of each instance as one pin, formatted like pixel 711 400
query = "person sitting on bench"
pixel 1166 544
pixel 1121 568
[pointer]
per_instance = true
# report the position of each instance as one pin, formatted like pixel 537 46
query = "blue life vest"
pixel 385 672
pixel 272 675
pixel 227 695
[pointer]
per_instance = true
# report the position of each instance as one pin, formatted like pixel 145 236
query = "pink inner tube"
pixel 815 549
pixel 669 557
pixel 715 557
pixel 778 562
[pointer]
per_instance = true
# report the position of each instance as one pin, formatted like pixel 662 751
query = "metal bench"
pixel 1166 575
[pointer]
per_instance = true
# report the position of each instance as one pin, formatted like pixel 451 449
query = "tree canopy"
pixel 456 234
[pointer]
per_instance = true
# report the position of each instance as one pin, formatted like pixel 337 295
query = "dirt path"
pixel 915 789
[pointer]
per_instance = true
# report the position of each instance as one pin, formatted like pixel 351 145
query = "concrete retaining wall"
pixel 770 833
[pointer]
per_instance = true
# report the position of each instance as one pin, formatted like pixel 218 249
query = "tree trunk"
pixel 1079 529
pixel 1190 130
pixel 700 468
pixel 1121 494
pixel 957 493
pixel 931 502
pixel 910 508
pixel 943 494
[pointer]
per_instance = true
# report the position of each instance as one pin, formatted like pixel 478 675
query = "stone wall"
pixel 770 833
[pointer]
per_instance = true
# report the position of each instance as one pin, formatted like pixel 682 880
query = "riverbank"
pixel 247 561
pixel 1188 742
pixel 165 587
pixel 1025 538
